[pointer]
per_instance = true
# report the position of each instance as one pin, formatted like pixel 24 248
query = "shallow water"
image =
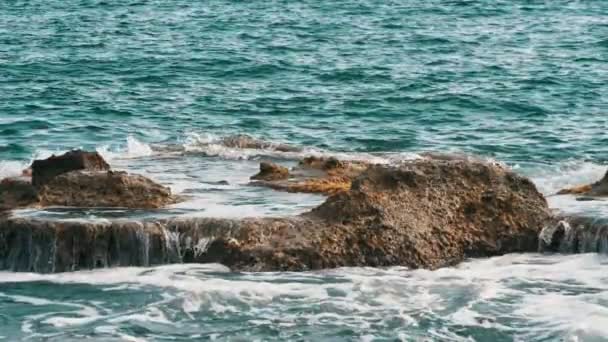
pixel 153 85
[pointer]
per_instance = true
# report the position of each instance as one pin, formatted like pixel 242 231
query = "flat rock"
pixel 45 170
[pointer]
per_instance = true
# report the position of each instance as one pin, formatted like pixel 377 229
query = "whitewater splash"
pixel 514 297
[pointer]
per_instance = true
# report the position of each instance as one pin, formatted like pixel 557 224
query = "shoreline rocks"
pixel 420 214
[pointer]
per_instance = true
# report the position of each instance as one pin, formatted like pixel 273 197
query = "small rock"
pixel 270 171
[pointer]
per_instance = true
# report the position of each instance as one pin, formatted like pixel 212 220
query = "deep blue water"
pixel 522 82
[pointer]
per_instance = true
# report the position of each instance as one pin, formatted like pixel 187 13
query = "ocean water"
pixel 154 85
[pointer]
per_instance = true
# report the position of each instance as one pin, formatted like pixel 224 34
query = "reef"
pixel 425 213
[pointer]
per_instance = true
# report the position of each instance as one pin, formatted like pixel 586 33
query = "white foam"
pixel 523 295
pixel 11 168
pixel 551 179
pixel 133 149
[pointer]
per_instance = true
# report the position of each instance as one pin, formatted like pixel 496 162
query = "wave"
pixel 523 295
pixel 133 149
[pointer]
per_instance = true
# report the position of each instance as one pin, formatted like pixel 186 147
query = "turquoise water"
pixel 153 85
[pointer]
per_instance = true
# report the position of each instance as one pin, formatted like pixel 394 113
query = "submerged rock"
pixel 46 169
pixel 316 175
pixel 104 189
pixel 249 142
pixel 588 191
pixel 420 214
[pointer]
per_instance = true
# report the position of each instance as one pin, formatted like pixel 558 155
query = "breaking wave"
pixel 514 297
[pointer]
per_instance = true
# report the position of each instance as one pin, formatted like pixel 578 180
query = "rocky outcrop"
pixel 271 172
pixel 104 189
pixel 419 214
pixel 316 175
pixel 597 189
pixel 46 169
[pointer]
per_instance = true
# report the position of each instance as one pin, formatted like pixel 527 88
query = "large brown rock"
pixel 46 169
pixel 420 214
pixel 103 189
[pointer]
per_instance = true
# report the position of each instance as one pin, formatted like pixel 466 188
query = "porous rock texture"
pixel 424 213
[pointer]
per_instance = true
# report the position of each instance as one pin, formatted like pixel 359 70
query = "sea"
pixel 154 86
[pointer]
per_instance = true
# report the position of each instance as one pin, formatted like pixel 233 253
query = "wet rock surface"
pixel 419 214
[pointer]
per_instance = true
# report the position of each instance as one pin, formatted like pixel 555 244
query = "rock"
pixel 16 192
pixel 104 189
pixel 246 141
pixel 270 171
pixel 316 175
pixel 45 170
pixel 597 189
pixel 425 213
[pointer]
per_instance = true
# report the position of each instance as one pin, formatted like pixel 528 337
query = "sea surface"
pixel 155 85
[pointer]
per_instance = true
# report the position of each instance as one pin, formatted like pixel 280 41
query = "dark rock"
pixel 270 171
pixel 421 214
pixel 104 189
pixel 16 192
pixel 45 170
